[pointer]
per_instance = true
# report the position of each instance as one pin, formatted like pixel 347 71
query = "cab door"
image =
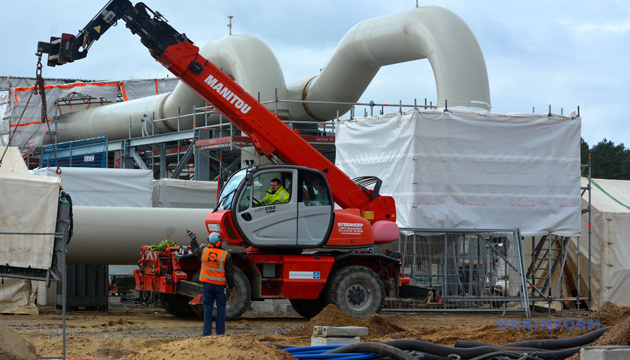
pixel 315 209
pixel 265 224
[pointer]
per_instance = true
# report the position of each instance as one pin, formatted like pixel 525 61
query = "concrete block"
pixel 318 340
pixel 340 331
pixel 605 353
pixel 263 306
pixel 285 309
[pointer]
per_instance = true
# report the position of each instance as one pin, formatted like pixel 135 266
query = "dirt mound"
pixel 332 316
pixel 610 314
pixel 224 347
pixel 619 333
pixel 15 347
pixel 377 325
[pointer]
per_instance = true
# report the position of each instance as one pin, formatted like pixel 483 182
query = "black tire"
pixel 307 308
pixel 177 305
pixel 238 300
pixel 357 291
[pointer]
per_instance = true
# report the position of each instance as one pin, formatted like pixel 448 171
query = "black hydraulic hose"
pixel 542 355
pixel 442 350
pixel 562 343
pixel 468 353
pixel 523 349
pixel 505 354
pixel 469 344
pixel 558 354
pixel 541 344
pixel 376 348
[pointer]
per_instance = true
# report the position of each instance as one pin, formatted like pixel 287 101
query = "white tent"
pixel 610 242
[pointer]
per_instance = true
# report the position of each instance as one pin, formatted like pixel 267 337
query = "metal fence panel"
pixel 477 270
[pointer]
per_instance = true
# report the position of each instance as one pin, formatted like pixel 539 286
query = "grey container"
pixel 88 287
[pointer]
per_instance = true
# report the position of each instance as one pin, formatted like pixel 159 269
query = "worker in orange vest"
pixel 217 272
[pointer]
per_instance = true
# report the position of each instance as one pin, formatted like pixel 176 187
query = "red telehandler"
pixel 303 249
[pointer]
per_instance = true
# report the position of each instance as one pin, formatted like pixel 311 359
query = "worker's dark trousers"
pixel 212 292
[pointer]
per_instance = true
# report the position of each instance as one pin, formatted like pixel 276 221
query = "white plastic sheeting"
pixel 23 110
pixel 17 296
pixel 466 170
pixel 113 215
pixel 610 246
pixel 26 110
pixel 139 88
pixel 175 193
pixel 28 204
pixel 105 187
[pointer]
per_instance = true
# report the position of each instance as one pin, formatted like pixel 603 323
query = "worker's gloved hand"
pixel 191 234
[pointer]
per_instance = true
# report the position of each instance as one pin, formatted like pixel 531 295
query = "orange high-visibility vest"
pixel 213 266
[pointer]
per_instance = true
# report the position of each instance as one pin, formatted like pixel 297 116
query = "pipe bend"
pixel 431 32
pixel 249 61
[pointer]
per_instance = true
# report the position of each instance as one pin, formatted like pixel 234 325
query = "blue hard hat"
pixel 214 238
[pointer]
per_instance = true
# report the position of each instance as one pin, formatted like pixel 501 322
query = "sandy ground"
pixel 138 332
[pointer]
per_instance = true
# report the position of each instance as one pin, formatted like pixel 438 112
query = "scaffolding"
pixel 211 150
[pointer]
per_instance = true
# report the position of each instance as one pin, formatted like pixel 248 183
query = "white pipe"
pixel 247 59
pixel 429 32
pixel 107 235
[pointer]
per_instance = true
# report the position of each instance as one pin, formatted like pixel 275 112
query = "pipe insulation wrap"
pixel 113 235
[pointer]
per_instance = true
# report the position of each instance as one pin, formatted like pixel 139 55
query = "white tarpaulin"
pixel 138 88
pixel 175 193
pixel 28 206
pixel 26 117
pixel 610 246
pixel 4 111
pixel 23 110
pixel 105 187
pixel 465 170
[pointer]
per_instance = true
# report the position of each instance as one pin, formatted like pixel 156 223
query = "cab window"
pixel 271 188
pixel 314 190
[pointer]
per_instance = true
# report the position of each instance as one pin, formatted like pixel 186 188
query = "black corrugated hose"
pixel 548 349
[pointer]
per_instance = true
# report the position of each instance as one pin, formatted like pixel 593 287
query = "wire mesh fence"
pixel 29 282
pixel 462 270
pixel 31 255
pixel 32 265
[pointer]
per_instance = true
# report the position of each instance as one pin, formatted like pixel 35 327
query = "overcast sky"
pixel 563 53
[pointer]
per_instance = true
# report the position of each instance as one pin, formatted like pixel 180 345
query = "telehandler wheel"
pixel 176 305
pixel 357 291
pixel 239 299
pixel 308 308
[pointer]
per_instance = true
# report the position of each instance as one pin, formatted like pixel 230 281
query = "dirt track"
pixel 136 332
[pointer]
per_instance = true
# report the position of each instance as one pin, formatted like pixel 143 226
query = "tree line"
pixel 608 161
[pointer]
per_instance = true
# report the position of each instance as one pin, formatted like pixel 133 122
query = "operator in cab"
pixel 276 193
pixel 217 272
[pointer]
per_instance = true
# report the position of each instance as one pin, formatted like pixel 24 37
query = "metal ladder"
pixel 546 258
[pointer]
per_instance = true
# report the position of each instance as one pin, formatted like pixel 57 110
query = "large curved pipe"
pixel 247 59
pixel 429 32
pixel 106 235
